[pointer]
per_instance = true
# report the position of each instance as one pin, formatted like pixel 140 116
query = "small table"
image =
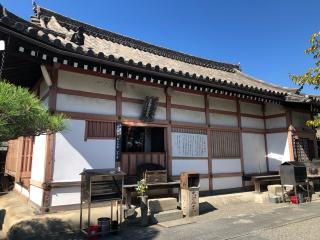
pixel 128 189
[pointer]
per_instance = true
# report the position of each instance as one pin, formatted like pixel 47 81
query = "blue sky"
pixel 267 37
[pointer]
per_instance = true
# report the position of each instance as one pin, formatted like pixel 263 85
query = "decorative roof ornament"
pixel 34 7
pixel 78 37
pixel 300 89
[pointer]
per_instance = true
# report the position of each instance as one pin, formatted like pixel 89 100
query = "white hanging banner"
pixel 189 145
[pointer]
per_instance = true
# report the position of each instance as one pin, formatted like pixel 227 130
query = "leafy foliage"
pixel 142 187
pixel 312 76
pixel 22 114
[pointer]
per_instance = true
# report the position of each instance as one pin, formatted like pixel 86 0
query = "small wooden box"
pixel 156 176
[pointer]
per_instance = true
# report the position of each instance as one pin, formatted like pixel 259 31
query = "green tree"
pixel 23 114
pixel 312 76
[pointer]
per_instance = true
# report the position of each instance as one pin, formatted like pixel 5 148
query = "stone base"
pixel 166 216
pixel 162 204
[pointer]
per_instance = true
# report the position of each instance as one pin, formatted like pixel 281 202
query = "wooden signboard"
pixel 189 145
pixel 118 141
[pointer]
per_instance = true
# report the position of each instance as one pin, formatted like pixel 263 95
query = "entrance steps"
pixel 163 210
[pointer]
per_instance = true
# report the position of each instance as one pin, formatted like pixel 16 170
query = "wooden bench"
pixel 258 179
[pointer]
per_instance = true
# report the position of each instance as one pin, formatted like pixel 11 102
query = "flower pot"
pixel 144 210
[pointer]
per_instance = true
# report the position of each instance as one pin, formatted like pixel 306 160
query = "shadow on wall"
pixel 47 228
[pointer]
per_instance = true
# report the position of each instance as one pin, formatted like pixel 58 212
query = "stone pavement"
pixel 234 216
pixel 285 222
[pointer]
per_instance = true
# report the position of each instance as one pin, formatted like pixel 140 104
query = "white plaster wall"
pixel 133 110
pixel 299 119
pixel 86 83
pixel 251 108
pixel 45 102
pixel 72 154
pixel 226 165
pixel 21 190
pixel 278 150
pixel 279 122
pixel 223 120
pixel 254 155
pixel 204 184
pixel 43 88
pixel 271 109
pixel 85 104
pixel 187 99
pixel 65 196
pixel 249 122
pixel 222 104
pixel 182 115
pixel 39 158
pixel 226 182
pixel 194 165
pixel 139 91
pixel 36 195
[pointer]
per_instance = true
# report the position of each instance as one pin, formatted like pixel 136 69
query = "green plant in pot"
pixel 141 190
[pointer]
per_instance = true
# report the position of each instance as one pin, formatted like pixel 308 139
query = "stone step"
pixel 166 216
pixel 162 204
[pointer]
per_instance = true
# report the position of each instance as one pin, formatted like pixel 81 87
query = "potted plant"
pixel 141 190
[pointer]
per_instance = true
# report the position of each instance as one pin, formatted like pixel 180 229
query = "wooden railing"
pixel 130 161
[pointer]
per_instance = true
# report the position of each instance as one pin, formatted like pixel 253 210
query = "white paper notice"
pixel 189 145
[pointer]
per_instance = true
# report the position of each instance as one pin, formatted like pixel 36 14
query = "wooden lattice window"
pixel 225 144
pixel 100 130
pixel 303 149
pixel 27 152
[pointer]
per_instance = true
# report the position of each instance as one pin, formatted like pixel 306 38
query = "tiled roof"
pixel 57 30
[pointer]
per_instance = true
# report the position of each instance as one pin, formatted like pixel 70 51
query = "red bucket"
pixel 294 199
pixel 93 230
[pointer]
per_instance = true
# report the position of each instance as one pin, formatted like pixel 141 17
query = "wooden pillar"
pixel 53 89
pixel 168 132
pixel 206 105
pixel 265 135
pixel 169 152
pixel 240 137
pixel 118 104
pixel 48 177
pixel 168 92
pixel 290 133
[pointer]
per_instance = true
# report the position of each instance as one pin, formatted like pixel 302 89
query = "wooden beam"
pixel 190 108
pixel 223 175
pixel 88 116
pixel 85 94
